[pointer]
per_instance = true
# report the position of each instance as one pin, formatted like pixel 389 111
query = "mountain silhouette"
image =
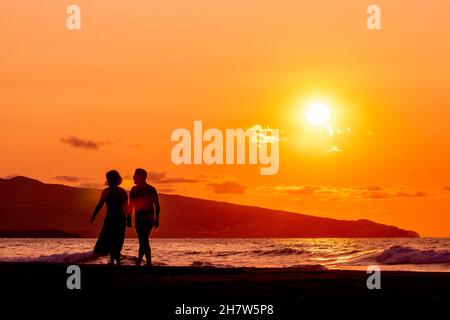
pixel 28 205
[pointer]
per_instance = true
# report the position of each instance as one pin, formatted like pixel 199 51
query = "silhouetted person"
pixel 144 201
pixel 110 240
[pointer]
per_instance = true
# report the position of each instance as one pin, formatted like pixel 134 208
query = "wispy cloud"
pixel 375 195
pixel 10 176
pixel 177 180
pixel 302 190
pixel 370 192
pixel 227 187
pixel 160 178
pixel 417 194
pixel 156 176
pixel 263 135
pixel 369 188
pixel 70 179
pixel 167 189
pixel 334 149
pixel 92 185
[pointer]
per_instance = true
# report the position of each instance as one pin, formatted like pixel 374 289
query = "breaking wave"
pixel 407 255
pixel 66 258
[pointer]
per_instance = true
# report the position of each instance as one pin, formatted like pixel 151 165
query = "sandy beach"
pixel 164 289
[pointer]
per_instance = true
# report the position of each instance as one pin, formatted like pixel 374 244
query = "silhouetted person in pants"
pixel 144 201
pixel 110 240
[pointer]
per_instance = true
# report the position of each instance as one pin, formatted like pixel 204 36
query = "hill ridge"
pixel 67 208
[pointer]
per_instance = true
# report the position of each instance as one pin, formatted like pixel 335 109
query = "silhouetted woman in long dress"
pixel 110 240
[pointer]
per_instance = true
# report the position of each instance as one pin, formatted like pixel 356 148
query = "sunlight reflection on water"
pixel 330 253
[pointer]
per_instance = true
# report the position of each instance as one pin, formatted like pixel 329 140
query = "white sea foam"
pixel 210 265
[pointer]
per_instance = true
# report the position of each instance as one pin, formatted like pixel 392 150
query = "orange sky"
pixel 138 70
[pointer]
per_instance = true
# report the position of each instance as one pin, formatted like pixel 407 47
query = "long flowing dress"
pixel 112 235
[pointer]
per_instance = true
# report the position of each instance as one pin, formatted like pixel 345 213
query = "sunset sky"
pixel 76 103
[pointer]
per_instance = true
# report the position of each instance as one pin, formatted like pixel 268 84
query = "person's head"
pixel 113 178
pixel 140 176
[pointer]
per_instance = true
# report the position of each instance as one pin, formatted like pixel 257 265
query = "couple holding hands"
pixel 143 202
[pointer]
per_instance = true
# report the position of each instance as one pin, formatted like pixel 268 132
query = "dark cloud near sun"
pixel 77 142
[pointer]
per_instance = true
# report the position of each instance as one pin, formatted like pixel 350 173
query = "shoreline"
pixel 307 268
pixel 197 265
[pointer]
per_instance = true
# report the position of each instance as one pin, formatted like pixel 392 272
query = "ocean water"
pixel 422 254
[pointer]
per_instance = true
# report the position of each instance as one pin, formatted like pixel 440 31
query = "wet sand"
pixel 163 289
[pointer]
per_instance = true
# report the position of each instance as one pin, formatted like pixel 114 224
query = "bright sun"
pixel 318 113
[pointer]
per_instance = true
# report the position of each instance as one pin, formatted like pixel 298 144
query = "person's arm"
pixel 157 209
pixel 126 209
pixel 99 205
pixel 125 202
pixel 131 204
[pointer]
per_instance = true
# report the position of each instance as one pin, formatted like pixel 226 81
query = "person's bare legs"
pixel 111 260
pixel 143 232
pixel 114 257
pixel 146 246
pixel 140 256
pixel 148 252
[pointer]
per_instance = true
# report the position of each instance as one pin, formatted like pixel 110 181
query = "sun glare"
pixel 318 113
